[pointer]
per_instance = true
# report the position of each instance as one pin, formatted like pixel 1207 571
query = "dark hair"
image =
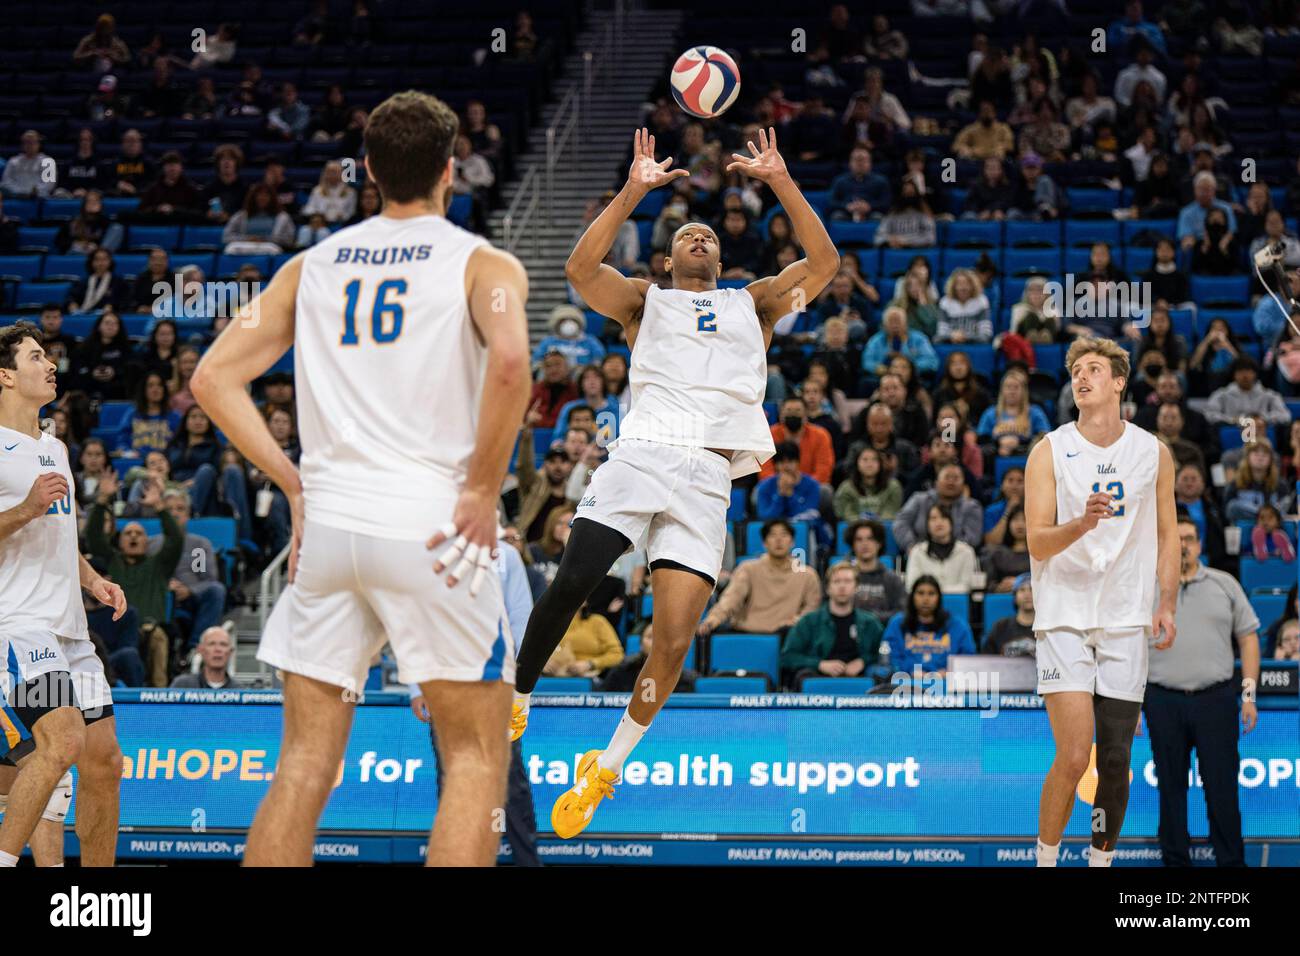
pixel 911 618
pixel 775 522
pixel 81 451
pixel 877 531
pixel 408 142
pixel 90 259
pixel 785 451
pixel 1241 361
pixel 883 476
pixel 943 510
pixel 1007 539
pixel 580 407
pixel 151 346
pixel 261 189
pixel 182 437
pixel 141 401
pixel 11 336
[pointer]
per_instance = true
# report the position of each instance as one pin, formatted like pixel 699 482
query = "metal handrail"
pixel 272 582
pixel 517 220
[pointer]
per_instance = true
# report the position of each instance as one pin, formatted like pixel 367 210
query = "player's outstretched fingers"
pixel 466 565
pixel 481 567
pixel 451 555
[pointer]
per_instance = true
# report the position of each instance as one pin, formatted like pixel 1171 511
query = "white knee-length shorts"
pixel 354 592
pixel 1108 662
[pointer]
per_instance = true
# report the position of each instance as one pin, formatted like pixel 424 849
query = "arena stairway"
pixel 598 161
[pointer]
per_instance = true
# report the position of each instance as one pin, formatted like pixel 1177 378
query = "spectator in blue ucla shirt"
pixel 859 194
pixel 895 337
pixel 925 634
pixel 570 338
pixel 789 493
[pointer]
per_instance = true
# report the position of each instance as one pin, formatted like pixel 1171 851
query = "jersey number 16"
pixel 385 317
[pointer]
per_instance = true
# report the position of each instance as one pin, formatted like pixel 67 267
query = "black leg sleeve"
pixel 1116 722
pixel 591 551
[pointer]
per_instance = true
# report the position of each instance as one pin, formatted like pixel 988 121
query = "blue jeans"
pixel 206 602
pixel 234 491
pixel 113 236
pixel 279 522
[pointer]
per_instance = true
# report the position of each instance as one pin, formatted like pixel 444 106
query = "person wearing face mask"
pixel 816 451
pixel 570 338
pixel 1217 251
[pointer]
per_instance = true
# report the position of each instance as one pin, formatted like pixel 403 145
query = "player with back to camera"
pixel 56 707
pixel 1099 502
pixel 698 374
pixel 412 371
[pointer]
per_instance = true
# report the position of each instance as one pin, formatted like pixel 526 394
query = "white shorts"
pixel 355 592
pixel 29 655
pixel 1105 662
pixel 673 496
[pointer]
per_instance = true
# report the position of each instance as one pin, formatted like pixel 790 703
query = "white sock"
pixel 55 865
pixel 1099 857
pixel 1047 854
pixel 8 859
pixel 522 701
pixel 627 736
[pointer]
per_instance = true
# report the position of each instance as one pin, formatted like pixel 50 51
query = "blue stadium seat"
pixel 562 685
pixel 60 208
pixel 754 537
pixel 115 206
pixel 1138 259
pixel 981 356
pixel 1221 290
pixel 222 532
pixel 58 265
pixel 894 262
pixel 1239 320
pixel 997 606
pixel 201 237
pixel 1086 232
pixel 850 233
pixel 32 238
pixel 651 204
pixel 1140 232
pixel 1184 323
pixel 958 605
pixel 838 686
pixel 731 685
pixel 36 294
pixel 228 265
pixel 24 210
pixel 1024 262
pixel 1084 201
pixel 737 510
pixel 634 648
pixel 1050 359
pixel 966 258
pixel 984 234
pixel 746 652
pixel 1077 260
pixel 113 418
pixel 79 324
pixel 21 268
pixel 130 264
pixel 458 211
pixel 1268 608
pixel 1021 232
pixel 1262 575
pixel 1005 462
pixel 147 237
pixel 771 410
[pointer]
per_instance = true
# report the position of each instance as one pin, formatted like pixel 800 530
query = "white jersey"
pixel 1106 579
pixel 388 371
pixel 40 567
pixel 698 374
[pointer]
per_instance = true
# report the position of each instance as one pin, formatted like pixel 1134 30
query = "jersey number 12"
pixel 1116 490
pixel 385 317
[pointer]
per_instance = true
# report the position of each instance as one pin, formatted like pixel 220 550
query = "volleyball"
pixel 705 81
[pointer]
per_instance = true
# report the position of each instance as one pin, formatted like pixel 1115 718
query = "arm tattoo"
pixel 782 293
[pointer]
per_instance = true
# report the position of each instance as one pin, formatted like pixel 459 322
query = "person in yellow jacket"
pixel 588 647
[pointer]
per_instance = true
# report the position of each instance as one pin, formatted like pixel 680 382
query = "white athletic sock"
pixel 1099 857
pixel 55 865
pixel 627 736
pixel 1047 854
pixel 522 701
pixel 8 859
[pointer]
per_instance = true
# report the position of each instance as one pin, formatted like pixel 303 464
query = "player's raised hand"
pixel 473 536
pixel 47 489
pixel 645 174
pixel 106 592
pixel 1097 508
pixel 766 164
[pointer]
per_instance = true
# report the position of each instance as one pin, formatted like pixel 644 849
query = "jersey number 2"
pixel 1116 490
pixel 385 317
pixel 708 322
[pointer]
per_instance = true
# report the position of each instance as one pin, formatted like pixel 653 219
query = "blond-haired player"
pixel 1099 501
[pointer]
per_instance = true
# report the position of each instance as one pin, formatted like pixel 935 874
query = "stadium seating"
pixel 730 685
pixel 1267 575
pixel 746 652
pixel 562 685
pixel 634 648
pixel 841 686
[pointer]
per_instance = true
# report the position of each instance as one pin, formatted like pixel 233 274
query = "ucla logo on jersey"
pixel 44 654
pixel 47 462
pixel 1106 469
